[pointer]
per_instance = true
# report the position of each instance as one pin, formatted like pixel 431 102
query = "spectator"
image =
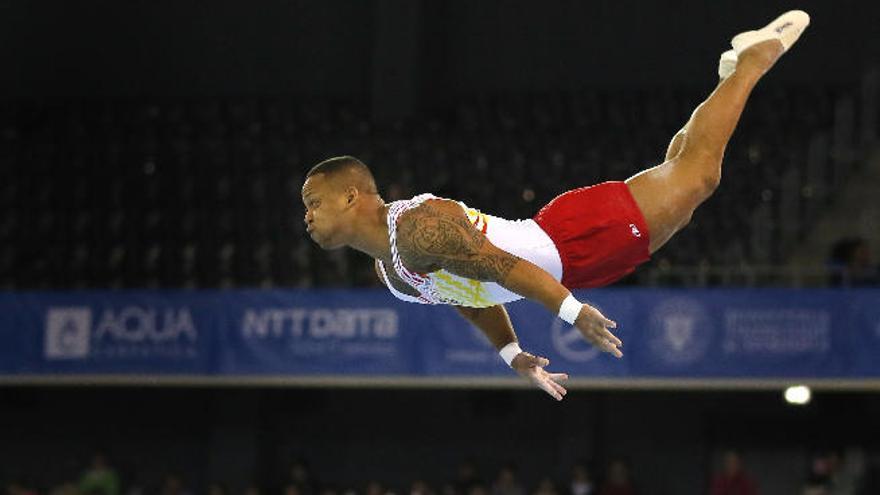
pixel 546 487
pixel 374 488
pixel 816 487
pixel 507 483
pixel 617 480
pixel 301 476
pixel 100 478
pixel 845 473
pixel 733 480
pixel 449 489
pixel 173 485
pixel 217 489
pixel 466 478
pixel 581 482
pixel 17 488
pixel 850 263
pixel 66 488
pixel 420 487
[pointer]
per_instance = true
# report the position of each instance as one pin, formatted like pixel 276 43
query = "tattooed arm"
pixel 437 234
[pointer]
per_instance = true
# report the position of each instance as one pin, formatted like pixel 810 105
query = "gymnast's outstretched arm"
pixel 495 324
pixel 493 321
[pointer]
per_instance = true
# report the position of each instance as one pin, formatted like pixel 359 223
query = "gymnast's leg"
pixel 669 193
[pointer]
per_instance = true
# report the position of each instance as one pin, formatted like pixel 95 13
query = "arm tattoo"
pixel 429 238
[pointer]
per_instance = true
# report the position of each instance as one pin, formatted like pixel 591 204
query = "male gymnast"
pixel 433 250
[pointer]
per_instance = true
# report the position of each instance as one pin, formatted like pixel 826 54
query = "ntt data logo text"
pixel 319 324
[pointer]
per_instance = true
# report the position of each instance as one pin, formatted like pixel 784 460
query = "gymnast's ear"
pixel 351 196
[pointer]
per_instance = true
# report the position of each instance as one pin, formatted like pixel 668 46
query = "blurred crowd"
pixel 829 473
pixel 100 478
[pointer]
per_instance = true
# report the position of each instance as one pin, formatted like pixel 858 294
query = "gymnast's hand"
pixel 532 367
pixel 594 327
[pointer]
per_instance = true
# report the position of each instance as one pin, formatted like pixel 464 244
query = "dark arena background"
pixel 168 327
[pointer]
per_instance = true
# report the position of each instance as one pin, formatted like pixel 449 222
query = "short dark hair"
pixel 332 166
pixel 339 164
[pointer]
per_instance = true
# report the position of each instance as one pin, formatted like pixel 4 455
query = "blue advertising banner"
pixel 667 333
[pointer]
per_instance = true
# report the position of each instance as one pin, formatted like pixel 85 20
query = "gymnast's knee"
pixel 685 220
pixel 711 181
pixel 702 173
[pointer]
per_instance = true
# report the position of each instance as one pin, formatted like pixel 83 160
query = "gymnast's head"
pixel 336 193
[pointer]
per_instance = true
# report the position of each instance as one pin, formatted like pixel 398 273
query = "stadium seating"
pixel 205 193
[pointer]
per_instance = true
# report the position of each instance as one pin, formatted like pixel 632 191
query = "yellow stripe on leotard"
pixel 477 219
pixel 466 292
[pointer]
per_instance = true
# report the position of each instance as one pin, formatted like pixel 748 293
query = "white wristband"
pixel 509 352
pixel 570 309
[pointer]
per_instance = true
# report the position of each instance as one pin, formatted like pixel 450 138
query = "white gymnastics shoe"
pixel 786 28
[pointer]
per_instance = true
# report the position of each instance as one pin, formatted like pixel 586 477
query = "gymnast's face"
pixel 327 211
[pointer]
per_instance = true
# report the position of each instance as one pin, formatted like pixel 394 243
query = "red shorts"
pixel 599 231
